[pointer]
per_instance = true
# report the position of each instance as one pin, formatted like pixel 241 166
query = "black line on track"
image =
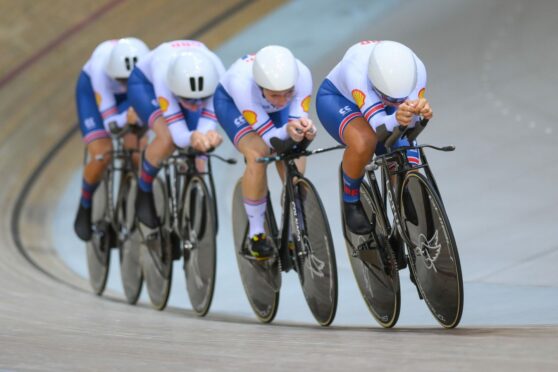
pixel 22 197
pixel 29 183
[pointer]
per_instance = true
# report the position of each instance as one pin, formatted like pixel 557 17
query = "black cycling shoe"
pixel 82 224
pixel 145 209
pixel 356 218
pixel 260 247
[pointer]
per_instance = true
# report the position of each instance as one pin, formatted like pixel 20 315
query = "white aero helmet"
pixel 124 56
pixel 275 68
pixel 392 70
pixel 192 74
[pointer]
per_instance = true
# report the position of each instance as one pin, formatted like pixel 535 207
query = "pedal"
pixel 251 258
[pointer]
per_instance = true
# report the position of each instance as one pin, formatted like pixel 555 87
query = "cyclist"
pixel 171 90
pixel 377 86
pixel 263 96
pixel 101 99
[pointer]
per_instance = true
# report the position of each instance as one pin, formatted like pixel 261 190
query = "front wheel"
pixel 432 250
pixel 261 280
pixel 98 248
pixel 314 252
pixel 130 240
pixel 198 224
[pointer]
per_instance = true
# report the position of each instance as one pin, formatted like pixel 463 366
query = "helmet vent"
pixel 193 84
pixel 127 61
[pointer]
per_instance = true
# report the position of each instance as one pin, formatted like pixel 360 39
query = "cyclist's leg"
pixel 98 143
pixel 142 98
pixel 254 192
pixel 254 180
pixel 345 123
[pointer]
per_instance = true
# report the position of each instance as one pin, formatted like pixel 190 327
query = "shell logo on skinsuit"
pixel 163 103
pixel 306 103
pixel 98 98
pixel 421 93
pixel 359 97
pixel 250 116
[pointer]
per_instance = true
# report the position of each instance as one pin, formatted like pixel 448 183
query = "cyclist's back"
pixel 172 90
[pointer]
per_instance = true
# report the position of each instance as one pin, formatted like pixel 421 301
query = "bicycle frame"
pixel 121 162
pixel 389 187
pixel 281 237
pixel 179 170
pixel 291 172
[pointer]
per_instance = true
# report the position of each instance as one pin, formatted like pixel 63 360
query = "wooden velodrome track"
pixel 49 320
pixel 47 43
pixel 44 45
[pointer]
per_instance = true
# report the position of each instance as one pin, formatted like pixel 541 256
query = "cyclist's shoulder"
pixel 238 77
pixel 100 55
pixel 302 68
pixel 361 49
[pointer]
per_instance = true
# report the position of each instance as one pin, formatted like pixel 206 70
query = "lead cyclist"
pixel 377 86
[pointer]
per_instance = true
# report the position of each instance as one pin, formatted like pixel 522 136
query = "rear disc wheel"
pixel 156 253
pixel 375 271
pixel 261 279
pixel 98 248
pixel 130 238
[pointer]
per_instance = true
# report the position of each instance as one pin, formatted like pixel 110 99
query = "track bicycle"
pixel 113 222
pixel 186 205
pixel 420 235
pixel 303 243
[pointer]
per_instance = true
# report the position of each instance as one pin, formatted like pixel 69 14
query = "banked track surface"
pixel 45 325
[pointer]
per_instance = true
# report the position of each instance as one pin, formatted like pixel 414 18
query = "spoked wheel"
pixel 433 256
pixel 156 253
pixel 261 279
pixel 200 256
pixel 130 240
pixel 98 248
pixel 376 273
pixel 316 265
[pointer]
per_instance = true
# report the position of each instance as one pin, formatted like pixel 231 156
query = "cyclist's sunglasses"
pixel 192 101
pixel 393 101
